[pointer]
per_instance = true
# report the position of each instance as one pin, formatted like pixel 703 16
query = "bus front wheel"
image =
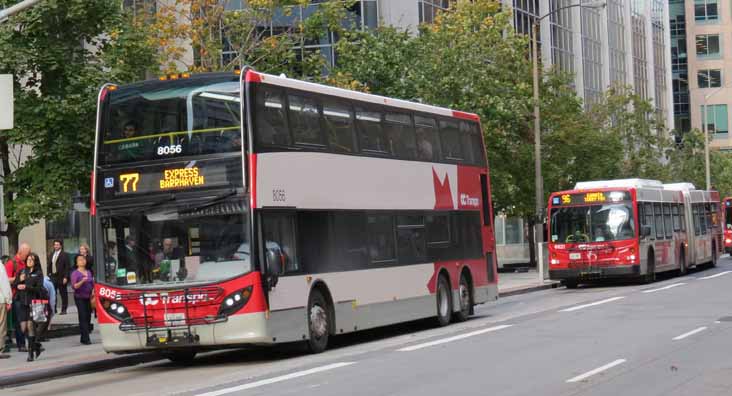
pixel 318 322
pixel 570 284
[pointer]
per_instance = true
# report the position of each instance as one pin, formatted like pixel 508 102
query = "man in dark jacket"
pixel 58 265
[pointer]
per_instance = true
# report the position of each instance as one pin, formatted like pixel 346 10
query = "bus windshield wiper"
pixel 210 202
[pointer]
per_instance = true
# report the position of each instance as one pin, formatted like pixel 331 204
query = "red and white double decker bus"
pixel 631 228
pixel 727 207
pixel 259 209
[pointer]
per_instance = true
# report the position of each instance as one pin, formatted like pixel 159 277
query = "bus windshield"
pixel 176 244
pixel 164 119
pixel 593 223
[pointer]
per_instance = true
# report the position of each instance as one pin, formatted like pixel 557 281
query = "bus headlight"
pixel 554 261
pixel 235 301
pixel 116 310
pixel 728 240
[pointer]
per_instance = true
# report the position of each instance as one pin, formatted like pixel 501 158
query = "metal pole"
pixel 539 183
pixel 4 14
pixel 706 145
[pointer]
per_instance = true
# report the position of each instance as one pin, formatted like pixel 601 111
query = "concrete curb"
pixel 33 376
pixel 529 289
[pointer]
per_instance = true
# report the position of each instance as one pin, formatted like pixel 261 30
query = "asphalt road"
pixel 673 337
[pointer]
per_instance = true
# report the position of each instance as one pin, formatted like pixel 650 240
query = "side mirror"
pixel 274 263
pixel 645 231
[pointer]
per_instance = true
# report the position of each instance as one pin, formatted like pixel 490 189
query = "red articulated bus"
pixel 727 205
pixel 631 228
pixel 247 208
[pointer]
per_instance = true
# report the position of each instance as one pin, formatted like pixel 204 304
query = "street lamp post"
pixel 538 180
pixel 707 172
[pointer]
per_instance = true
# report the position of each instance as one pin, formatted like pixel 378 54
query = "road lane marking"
pixel 453 338
pixel 578 307
pixel 664 288
pixel 691 333
pixel 596 371
pixel 274 380
pixel 716 275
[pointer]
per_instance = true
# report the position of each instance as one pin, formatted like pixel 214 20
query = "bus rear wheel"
pixel 318 322
pixel 714 255
pixel 465 293
pixel 570 284
pixel 444 301
pixel 650 276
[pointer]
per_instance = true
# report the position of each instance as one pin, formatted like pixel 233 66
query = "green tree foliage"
pixel 686 163
pixel 59 53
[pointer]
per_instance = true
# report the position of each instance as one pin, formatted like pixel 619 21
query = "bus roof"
pixel 619 183
pixel 284 81
pixel 679 186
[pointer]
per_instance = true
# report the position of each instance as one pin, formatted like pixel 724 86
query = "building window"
pixel 706 10
pixel 707 45
pixel 562 35
pixel 640 55
pixel 709 78
pixel 616 41
pixel 591 56
pixel 658 36
pixel 428 9
pixel 716 119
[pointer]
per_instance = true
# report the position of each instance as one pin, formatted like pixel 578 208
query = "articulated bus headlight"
pixel 554 262
pixel 235 301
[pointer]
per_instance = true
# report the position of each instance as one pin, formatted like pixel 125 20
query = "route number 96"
pixel 172 149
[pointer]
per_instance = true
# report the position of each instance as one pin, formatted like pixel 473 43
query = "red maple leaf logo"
pixel 443 196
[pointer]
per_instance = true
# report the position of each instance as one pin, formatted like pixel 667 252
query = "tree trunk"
pixel 532 242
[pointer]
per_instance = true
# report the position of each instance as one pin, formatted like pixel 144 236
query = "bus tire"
pixel 682 262
pixel 650 276
pixel 714 255
pixel 318 322
pixel 570 284
pixel 465 292
pixel 182 356
pixel 443 298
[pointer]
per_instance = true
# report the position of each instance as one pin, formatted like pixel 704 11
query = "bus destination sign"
pixel 173 177
pixel 592 197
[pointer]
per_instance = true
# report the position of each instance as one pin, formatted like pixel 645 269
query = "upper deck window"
pixel 155 120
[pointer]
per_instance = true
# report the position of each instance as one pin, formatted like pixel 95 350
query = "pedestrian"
pixel 84 251
pixel 58 265
pixel 51 290
pixel 12 269
pixel 29 285
pixel 6 303
pixel 83 285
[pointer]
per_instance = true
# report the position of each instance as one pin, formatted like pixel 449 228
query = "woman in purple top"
pixel 83 285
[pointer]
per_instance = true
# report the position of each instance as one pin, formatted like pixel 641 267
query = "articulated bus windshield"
pixel 592 223
pixel 182 243
pixel 163 119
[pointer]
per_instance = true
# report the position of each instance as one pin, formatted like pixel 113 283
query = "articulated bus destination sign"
pixel 592 197
pixel 171 177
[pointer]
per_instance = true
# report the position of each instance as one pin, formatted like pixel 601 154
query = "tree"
pixel 59 53
pixel 270 35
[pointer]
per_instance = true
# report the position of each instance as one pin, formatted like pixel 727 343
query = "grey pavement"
pixel 610 339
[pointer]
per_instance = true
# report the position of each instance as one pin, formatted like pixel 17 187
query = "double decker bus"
pixel 727 206
pixel 248 208
pixel 631 228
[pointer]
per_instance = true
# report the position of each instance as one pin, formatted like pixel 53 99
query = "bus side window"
pixel 708 215
pixel 428 142
pixel 381 238
pixel 682 216
pixel 648 215
pixel 279 238
pixel 452 147
pixel 667 220
pixel 351 240
pixel 305 120
pixel 338 124
pixel 675 214
pixel 271 119
pixel 400 132
pixel 695 217
pixel 371 135
pixel 658 216
pixel 411 239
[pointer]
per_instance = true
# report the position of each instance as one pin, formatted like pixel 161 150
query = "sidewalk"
pixel 512 283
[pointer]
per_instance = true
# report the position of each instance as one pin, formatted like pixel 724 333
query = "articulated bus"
pixel 247 208
pixel 631 228
pixel 727 205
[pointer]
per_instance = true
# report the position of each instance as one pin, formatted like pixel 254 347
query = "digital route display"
pixel 590 198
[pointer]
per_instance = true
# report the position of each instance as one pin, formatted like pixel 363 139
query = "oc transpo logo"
pixel 467 200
